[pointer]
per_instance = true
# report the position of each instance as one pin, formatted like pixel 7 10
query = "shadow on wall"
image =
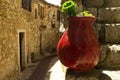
pixel 50 49
pixel 32 57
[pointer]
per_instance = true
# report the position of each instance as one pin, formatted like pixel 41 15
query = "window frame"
pixel 27 5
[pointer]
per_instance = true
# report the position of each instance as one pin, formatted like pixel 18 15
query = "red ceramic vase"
pixel 78 47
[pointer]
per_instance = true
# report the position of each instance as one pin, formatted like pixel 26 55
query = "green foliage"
pixel 69 7
pixel 85 13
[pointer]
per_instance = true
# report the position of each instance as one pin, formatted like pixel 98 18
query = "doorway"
pixel 22 50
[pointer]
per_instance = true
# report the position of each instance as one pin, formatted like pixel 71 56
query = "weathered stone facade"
pixel 20 33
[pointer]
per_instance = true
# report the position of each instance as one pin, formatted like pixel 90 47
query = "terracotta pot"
pixel 78 47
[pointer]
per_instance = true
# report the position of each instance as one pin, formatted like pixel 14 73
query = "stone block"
pixel 109 33
pixel 94 3
pixel 112 34
pixel 111 3
pixel 110 57
pixel 109 15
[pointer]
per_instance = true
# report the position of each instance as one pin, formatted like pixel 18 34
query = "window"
pixel 26 4
pixel 30 5
pixel 41 11
pixel 58 15
pixel 35 13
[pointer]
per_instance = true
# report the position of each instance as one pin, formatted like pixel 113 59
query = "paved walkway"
pixel 41 70
pixel 36 71
pixel 28 71
pixel 44 70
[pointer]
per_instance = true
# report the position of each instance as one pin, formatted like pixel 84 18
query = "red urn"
pixel 78 47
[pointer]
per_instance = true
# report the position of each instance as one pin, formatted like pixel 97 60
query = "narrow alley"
pixel 46 40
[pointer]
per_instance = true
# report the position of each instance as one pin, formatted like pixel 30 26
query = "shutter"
pixel 24 4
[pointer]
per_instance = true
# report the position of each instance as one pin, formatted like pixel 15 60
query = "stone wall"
pixel 15 20
pixel 107 26
pixel 50 34
pixel 107 14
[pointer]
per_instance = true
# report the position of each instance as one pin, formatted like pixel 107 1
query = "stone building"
pixel 28 29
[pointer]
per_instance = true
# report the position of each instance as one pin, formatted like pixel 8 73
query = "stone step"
pixel 103 3
pixel 89 75
pixel 110 57
pixel 109 15
pixel 108 33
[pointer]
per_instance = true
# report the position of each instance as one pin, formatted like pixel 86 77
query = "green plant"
pixel 69 7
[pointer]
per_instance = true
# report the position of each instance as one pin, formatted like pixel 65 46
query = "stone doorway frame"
pixel 25 49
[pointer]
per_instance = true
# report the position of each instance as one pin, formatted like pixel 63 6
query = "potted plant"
pixel 78 48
